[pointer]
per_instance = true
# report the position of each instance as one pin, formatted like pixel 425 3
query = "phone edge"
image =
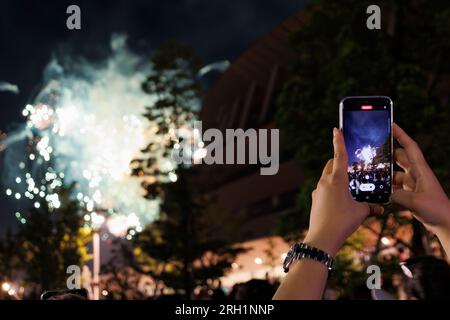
pixel 391 103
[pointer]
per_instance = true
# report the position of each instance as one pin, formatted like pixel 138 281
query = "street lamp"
pixel 97 221
pixel 118 226
pixel 6 286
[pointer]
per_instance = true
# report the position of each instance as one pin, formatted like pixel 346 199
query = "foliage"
pixel 186 246
pixel 291 224
pixel 121 280
pixel 335 55
pixel 8 256
pixel 50 241
pixel 177 92
pixel 9 261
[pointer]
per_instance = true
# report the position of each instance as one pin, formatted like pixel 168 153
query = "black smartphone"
pixel 366 123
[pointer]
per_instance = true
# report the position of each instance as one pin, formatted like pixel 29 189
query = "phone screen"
pixel 366 123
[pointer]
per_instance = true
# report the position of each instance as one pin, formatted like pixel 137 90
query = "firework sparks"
pixel 366 154
pixel 86 126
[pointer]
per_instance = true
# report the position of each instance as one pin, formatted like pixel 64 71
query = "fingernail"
pixel 335 132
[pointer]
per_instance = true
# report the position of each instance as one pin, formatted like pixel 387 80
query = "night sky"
pixel 363 128
pixel 31 31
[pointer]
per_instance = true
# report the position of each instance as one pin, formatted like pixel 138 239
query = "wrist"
pixel 324 243
pixel 443 230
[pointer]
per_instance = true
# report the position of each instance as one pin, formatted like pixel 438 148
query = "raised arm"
pixel 418 189
pixel 334 217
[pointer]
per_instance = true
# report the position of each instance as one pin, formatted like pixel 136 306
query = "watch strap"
pixel 304 251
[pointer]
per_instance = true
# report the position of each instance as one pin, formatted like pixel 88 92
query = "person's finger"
pixel 399 178
pixel 340 162
pixel 404 181
pixel 403 198
pixel 328 168
pixel 401 158
pixel 375 209
pixel 411 148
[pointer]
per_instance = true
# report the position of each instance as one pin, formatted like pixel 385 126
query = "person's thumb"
pixel 403 198
pixel 340 161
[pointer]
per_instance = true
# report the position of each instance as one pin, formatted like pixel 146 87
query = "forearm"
pixel 444 238
pixel 306 280
pixel 443 231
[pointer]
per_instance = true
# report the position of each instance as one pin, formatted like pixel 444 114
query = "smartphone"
pixel 366 123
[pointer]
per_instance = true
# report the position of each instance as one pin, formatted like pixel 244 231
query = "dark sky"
pixel 30 31
pixel 363 128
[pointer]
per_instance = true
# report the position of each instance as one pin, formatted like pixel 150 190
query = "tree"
pixel 185 246
pixel 9 261
pixel 335 55
pixel 50 241
pixel 177 94
pixel 120 278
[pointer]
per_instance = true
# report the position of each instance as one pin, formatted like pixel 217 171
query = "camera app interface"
pixel 367 138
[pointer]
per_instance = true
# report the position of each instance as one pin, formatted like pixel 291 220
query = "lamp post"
pixel 118 226
pixel 97 221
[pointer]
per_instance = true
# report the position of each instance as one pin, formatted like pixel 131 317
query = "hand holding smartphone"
pixel 366 123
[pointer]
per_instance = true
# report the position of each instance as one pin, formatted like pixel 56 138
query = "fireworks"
pixel 39 116
pixel 366 154
pixel 86 126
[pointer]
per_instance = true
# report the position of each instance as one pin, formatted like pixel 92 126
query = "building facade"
pixel 244 97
